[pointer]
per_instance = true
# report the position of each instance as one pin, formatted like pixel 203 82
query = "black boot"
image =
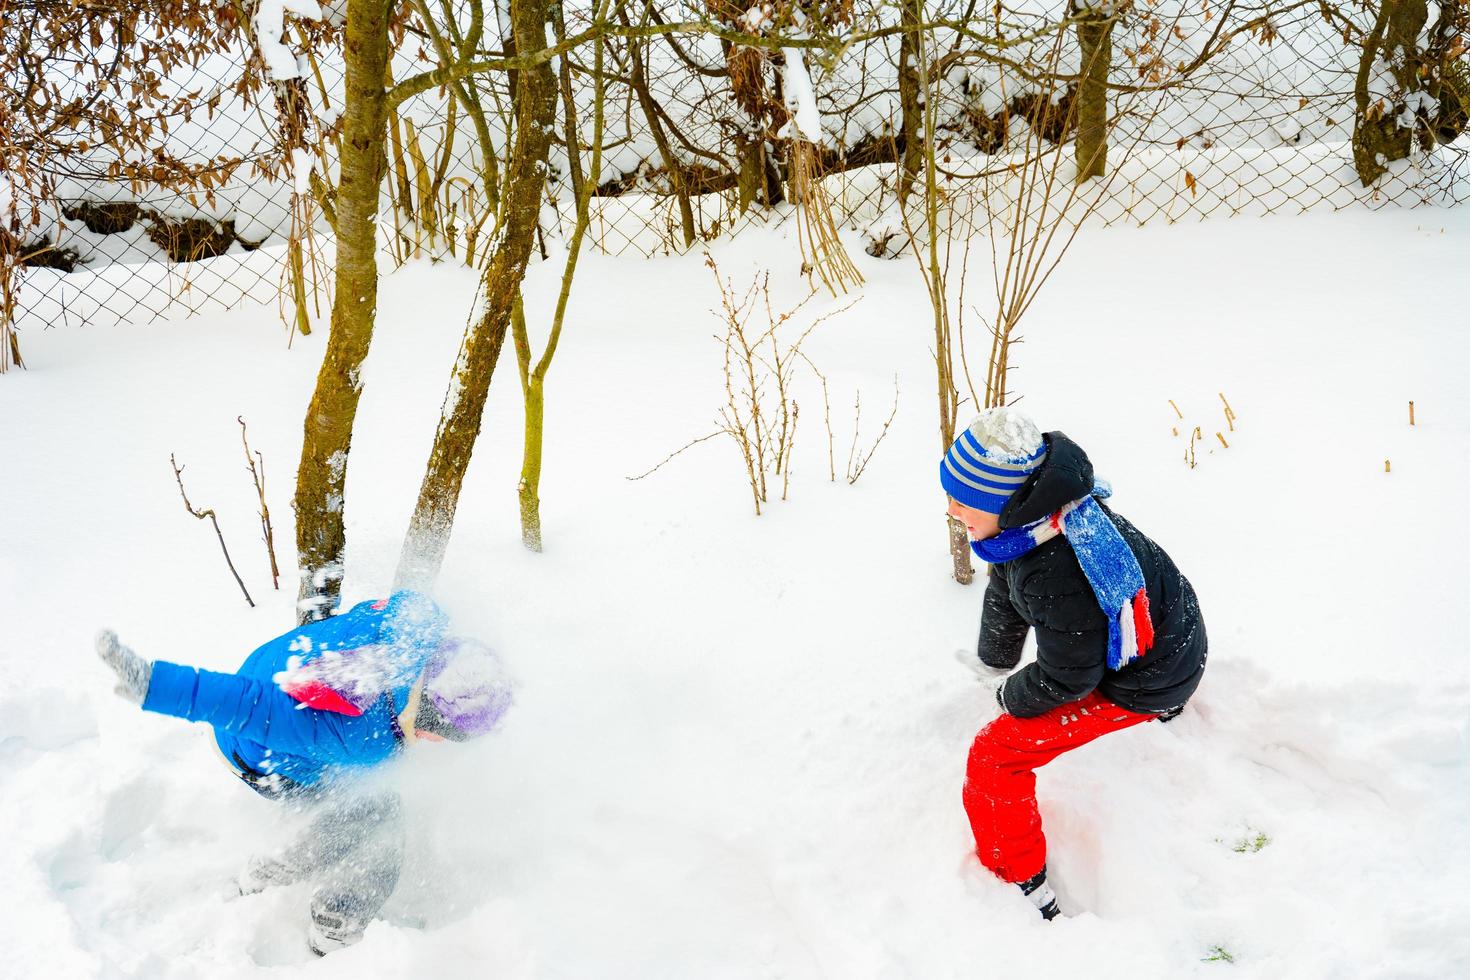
pixel 1040 895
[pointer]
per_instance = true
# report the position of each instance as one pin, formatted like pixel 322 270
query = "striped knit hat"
pixel 992 459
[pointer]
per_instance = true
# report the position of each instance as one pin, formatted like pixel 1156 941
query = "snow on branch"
pixel 270 27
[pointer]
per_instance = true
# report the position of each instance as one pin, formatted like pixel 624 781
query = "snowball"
pixel 1006 434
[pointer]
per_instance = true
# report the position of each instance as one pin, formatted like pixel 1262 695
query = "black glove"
pixel 133 672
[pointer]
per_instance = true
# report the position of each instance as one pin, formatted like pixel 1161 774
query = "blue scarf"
pixel 1109 564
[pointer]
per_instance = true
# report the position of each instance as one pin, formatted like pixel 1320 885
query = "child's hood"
pixel 1065 476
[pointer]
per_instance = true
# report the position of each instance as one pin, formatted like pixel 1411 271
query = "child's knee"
pixel 996 749
pixel 983 772
pixel 985 757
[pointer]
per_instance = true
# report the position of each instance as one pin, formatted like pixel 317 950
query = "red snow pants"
pixel 1000 780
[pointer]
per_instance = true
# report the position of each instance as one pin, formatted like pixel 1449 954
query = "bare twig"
pixel 826 417
pixel 256 463
pixel 1230 412
pixel 855 471
pixel 201 515
pixel 688 445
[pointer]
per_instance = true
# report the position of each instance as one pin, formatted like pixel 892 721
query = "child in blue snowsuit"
pixel 314 708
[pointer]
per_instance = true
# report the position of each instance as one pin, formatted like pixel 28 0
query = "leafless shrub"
pixel 858 462
pixel 760 412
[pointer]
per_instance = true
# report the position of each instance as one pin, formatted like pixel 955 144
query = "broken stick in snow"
pixel 201 515
pixel 257 476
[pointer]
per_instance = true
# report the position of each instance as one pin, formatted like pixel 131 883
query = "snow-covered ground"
pixel 740 741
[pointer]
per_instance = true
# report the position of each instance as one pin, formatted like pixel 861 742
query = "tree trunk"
pixel 1379 133
pixel 528 489
pixel 960 552
pixel 469 384
pixel 533 378
pixel 910 107
pixel 1095 41
pixel 321 478
pixel 753 182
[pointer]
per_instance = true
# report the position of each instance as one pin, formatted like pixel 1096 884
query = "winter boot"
pixel 1040 895
pixel 331 930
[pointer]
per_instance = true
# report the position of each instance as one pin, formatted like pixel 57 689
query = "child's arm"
pixel 252 709
pixel 238 705
pixel 1002 629
pixel 1071 652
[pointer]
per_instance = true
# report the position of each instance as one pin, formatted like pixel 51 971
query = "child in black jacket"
pixel 1119 637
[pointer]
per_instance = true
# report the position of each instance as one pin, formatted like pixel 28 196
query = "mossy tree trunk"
pixel 1095 44
pixel 321 477
pixel 533 393
pixel 1380 135
pixel 469 384
pixel 750 185
pixel 533 377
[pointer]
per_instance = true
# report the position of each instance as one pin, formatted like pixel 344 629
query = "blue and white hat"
pixel 992 459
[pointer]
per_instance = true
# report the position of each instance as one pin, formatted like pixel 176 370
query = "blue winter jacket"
pixel 266 731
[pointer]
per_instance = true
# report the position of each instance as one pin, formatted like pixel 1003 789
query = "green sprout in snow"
pixel 1219 954
pixel 1251 843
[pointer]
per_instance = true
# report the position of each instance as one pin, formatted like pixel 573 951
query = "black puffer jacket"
pixel 1046 589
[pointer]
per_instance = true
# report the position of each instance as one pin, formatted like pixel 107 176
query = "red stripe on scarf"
pixel 1142 624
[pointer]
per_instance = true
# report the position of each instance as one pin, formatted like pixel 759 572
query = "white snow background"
pixel 739 742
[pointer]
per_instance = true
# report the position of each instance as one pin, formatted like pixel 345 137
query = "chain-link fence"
pixel 1212 109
